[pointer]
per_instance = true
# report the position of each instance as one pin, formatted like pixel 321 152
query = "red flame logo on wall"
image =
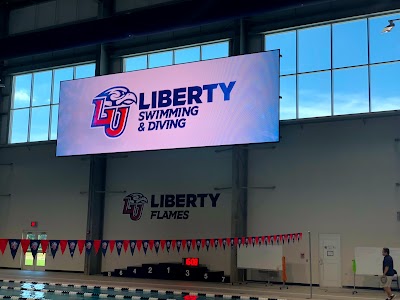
pixel 134 204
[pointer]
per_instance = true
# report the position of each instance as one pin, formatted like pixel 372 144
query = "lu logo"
pixel 112 109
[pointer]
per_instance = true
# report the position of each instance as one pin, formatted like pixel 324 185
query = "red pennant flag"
pixel 257 238
pixel 269 239
pixel 300 236
pixel 221 242
pixel 3 245
pixel 183 244
pixel 235 241
pixel 25 244
pixel 173 244
pixel 228 241
pixel 139 245
pixel 162 244
pixel 212 243
pixel 96 244
pixel 193 244
pixel 81 246
pixel 63 246
pixel 112 245
pixel 203 243
pixel 45 245
pixel 276 239
pixel 126 245
pixel 151 245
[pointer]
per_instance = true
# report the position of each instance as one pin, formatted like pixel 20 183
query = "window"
pixel 315 95
pixel 385 89
pixel 34 112
pixel 383 47
pixel 187 55
pixel 350 95
pixel 160 59
pixel 286 42
pixel 288 98
pixel 177 56
pixel 350 40
pixel 314 49
pixel 346 67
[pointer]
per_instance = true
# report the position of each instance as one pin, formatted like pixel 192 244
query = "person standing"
pixel 388 273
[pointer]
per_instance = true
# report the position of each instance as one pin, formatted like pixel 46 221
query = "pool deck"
pixel 249 289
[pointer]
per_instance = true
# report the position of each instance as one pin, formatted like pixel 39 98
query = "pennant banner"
pixel 198 244
pixel 14 245
pixel 54 247
pixel 119 245
pixel 151 245
pixel 163 242
pixel 81 246
pixel 168 245
pixel 34 244
pixel 126 245
pixel 112 246
pixel 25 245
pixel 104 247
pixel 191 244
pixel 3 245
pixel 157 244
pixel 96 245
pixel 72 246
pixel 132 245
pixel 178 245
pixel 224 242
pixel 139 245
pixel 88 246
pixel 45 245
pixel 145 246
pixel 63 246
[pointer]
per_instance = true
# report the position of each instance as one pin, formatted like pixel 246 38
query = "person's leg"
pixel 387 291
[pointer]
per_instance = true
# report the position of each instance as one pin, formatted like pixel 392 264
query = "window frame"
pixel 30 107
pixel 368 64
pixel 173 49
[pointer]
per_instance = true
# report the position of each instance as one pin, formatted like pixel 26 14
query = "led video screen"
pixel 224 101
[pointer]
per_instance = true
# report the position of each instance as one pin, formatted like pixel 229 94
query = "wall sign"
pixel 168 206
pixel 225 101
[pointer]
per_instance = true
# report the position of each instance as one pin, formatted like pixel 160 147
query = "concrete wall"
pixel 335 177
pixel 189 171
pixel 45 189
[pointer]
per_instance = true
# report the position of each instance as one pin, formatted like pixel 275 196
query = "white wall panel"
pixel 336 177
pixel 45 189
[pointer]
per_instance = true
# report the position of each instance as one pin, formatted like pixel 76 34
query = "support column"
pixel 4 81
pixel 98 168
pixel 239 172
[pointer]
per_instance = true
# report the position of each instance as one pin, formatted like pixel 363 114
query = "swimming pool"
pixel 14 290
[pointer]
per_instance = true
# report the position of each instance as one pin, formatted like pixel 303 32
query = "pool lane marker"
pixel 117 289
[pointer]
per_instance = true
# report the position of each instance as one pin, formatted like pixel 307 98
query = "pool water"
pixel 42 291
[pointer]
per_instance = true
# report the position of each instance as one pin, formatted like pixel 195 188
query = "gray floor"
pixel 249 289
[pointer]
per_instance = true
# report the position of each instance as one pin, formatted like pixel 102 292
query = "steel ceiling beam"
pixel 155 19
